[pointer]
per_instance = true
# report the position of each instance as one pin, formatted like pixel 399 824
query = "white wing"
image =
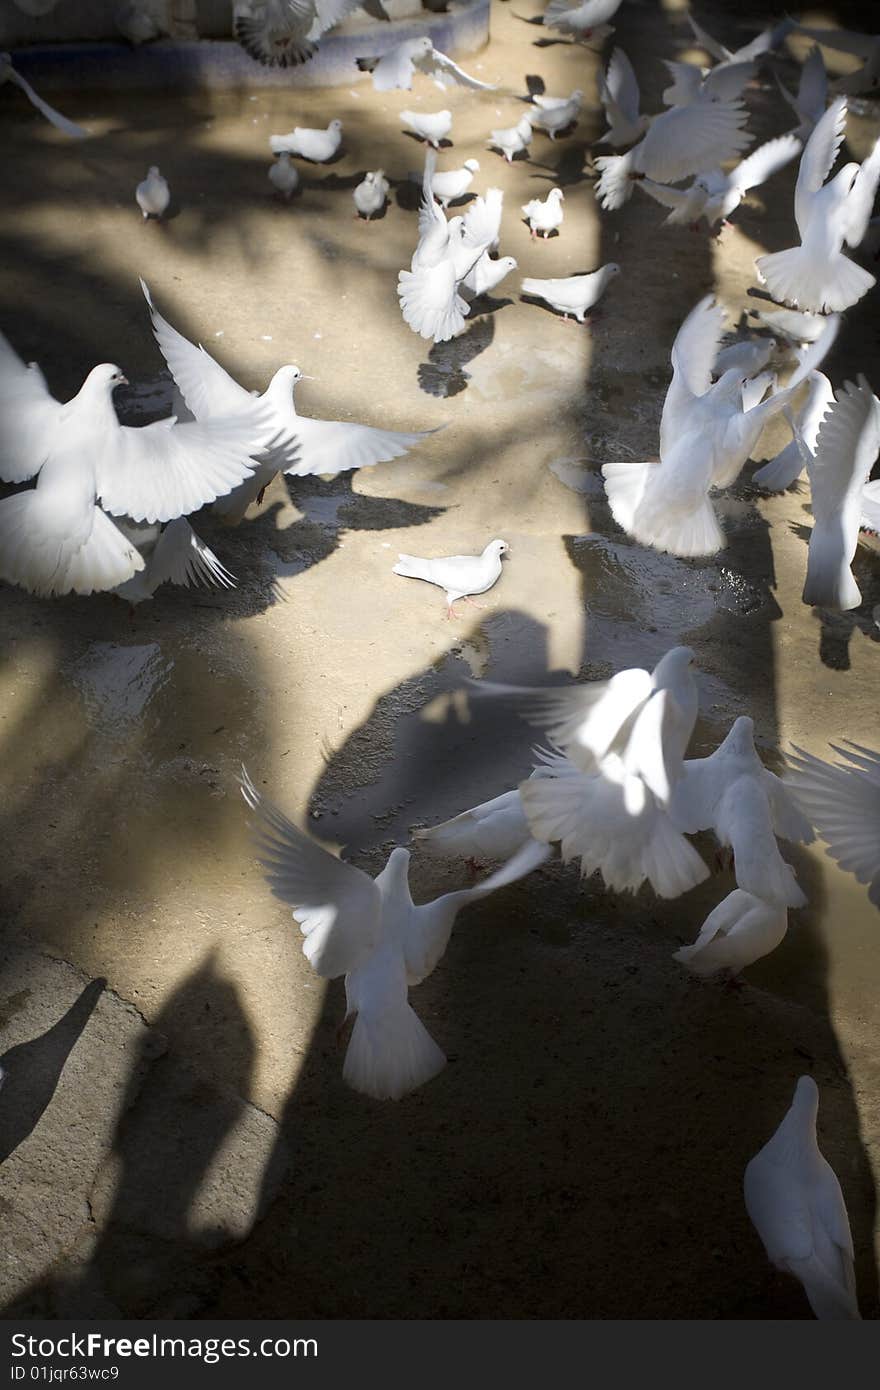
pixel 437 64
pixel 706 41
pixel 846 447
pixel 693 355
pixel 584 720
pixel 28 415
pixel 161 471
pixel 207 389
pixel 337 906
pixel 728 82
pixel 819 154
pixel 690 139
pixel 481 224
pixel 180 557
pixel 764 161
pixel 860 203
pixel 621 86
pixel 60 122
pixel 670 197
pixel 337 446
pixel 844 805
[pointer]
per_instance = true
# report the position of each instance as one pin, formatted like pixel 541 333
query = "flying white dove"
pixel 297 444
pixel 153 194
pixel 512 140
pixel 318 146
pixel 8 74
pixel 624 741
pixel 459 575
pixel 847 445
pixel 691 83
pixel 371 194
pixel 172 554
pixel 275 32
pixel 283 176
pixel 544 216
pixel 733 794
pixel 816 275
pixel 739 931
pixel 783 470
pixel 431 126
pixel 575 294
pixel 370 931
pixel 799 328
pixel 620 97
pixel 864 46
pixel 722 193
pixel 447 252
pixel 555 114
pixel 762 43
pixel 495 829
pixel 812 94
pixel 449 184
pixel 58 537
pixel 680 142
pixel 843 802
pixel 581 20
pixel 747 355
pixel 795 1204
pixel 397 67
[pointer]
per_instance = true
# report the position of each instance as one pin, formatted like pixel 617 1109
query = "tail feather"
pixel 427 312
pixel 615 185
pixel 829 582
pixel 390 1054
pixel 794 277
pixel 625 485
pixel 411 567
pixel 105 560
pixel 282 50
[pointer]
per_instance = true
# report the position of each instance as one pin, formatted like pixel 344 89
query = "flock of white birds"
pixel 614 789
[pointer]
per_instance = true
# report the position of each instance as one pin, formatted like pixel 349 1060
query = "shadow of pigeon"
pixel 444 372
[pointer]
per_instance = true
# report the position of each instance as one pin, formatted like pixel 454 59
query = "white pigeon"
pixel 298 444
pixel 786 467
pixel 58 537
pixel 620 97
pixel 794 1202
pixel 449 184
pixel 871 507
pixel 739 931
pixel 816 275
pixel 447 252
pixel 582 20
pixel 707 431
pixel 70 128
pixel 575 294
pixel 847 445
pixel 680 142
pixel 691 83
pixel 811 99
pixel 318 146
pixel 715 195
pixel 172 554
pixel 555 114
pixel 864 46
pixel 799 328
pixel 843 802
pixel 734 795
pixel 284 176
pixel 495 829
pixel 370 931
pixel 544 216
pixel 747 355
pixel 512 140
pixel 459 575
pixel 623 741
pixel 153 194
pixel 371 194
pixel 486 276
pixel 398 66
pixel 764 42
pixel 431 126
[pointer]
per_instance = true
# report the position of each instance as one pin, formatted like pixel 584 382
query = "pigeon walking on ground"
pixel 575 294
pixel 283 176
pixel 318 146
pixel 459 575
pixel 371 194
pixel 544 216
pixel 794 1201
pixel 430 126
pixel 512 140
pixel 370 931
pixel 556 114
pixel 449 184
pixel 153 194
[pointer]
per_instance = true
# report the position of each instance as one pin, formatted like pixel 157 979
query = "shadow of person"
pixel 31 1070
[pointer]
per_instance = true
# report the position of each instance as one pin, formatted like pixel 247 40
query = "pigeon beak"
pixel 123 381
pixel 308 378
